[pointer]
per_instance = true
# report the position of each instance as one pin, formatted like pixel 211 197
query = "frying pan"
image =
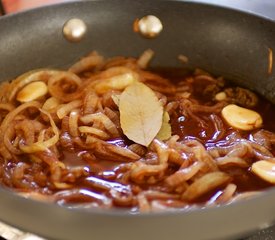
pixel 222 41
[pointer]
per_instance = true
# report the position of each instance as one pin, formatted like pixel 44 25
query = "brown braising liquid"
pixel 111 171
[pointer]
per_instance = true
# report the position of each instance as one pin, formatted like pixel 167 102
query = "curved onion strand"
pixel 42 146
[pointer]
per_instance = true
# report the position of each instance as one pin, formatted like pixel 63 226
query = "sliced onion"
pixel 65 109
pixel 42 146
pixel 101 118
pixel 184 174
pixel 51 104
pixel 41 135
pixel 141 170
pixel 138 149
pixel 162 151
pixel 28 77
pixel 90 102
pixel 227 194
pixel 60 185
pixel 205 184
pixel 7 106
pixel 154 194
pixel 55 87
pixel 143 203
pixel 73 123
pixel 8 136
pixel 11 115
pixel 145 58
pixel 94 131
pixel 105 150
pixel 86 63
pixel 232 161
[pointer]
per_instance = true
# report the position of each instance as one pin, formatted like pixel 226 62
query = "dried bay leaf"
pixel 165 131
pixel 140 113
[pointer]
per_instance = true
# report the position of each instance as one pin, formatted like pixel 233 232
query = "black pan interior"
pixel 224 42
pixel 221 41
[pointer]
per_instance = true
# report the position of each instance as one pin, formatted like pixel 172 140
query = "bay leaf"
pixel 140 113
pixel 165 131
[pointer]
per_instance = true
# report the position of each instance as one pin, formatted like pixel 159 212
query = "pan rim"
pixel 118 212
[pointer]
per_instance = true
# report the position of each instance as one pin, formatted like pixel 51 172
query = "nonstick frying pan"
pixel 222 41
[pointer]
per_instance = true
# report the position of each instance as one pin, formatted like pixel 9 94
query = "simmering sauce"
pixel 67 143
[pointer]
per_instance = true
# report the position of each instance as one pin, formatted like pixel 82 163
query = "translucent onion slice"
pixel 28 77
pixel 60 185
pixel 232 161
pixel 73 123
pixel 184 174
pixel 42 146
pixel 94 131
pixel 51 104
pixel 87 63
pixel 11 115
pixel 8 136
pixel 111 152
pixel 145 58
pixel 206 183
pixel 57 81
pixel 102 118
pixel 65 109
pixel 6 106
pixel 141 170
pixel 227 194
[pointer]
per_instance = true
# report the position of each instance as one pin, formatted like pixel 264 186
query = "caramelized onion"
pixel 58 81
pixel 94 131
pixel 28 77
pixel 73 123
pixel 206 183
pixel 183 174
pixel 86 63
pixel 42 146
pixel 70 145
pixel 65 109
pixel 99 117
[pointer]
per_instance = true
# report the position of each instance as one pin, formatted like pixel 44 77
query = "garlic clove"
pixel 265 170
pixel 220 96
pixel 241 118
pixel 32 91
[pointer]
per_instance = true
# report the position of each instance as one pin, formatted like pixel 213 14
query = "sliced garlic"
pixel 32 91
pixel 119 82
pixel 264 170
pixel 241 118
pixel 220 96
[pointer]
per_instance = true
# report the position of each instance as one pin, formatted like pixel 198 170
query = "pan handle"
pixel 2 9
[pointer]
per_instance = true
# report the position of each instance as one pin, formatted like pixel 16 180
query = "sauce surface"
pixel 68 146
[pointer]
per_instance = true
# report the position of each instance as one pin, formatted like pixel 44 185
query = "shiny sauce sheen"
pixel 105 174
